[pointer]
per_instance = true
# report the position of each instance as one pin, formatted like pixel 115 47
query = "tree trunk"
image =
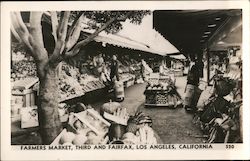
pixel 49 120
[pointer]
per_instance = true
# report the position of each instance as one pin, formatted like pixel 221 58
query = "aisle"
pixel 174 125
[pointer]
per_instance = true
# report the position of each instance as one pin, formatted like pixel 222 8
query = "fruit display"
pixel 127 77
pixel 22 66
pixel 86 127
pixel 22 69
pixel 162 94
pixel 89 119
pixel 120 116
pixel 69 87
pixel 110 107
pixel 74 84
pixel 137 131
pixel 144 135
pixel 89 127
pixel 137 121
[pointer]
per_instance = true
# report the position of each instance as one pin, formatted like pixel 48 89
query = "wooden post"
pixel 208 66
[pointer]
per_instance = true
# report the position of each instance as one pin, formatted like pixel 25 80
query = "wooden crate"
pixel 24 89
pixel 28 96
pixel 29 117
pixel 82 116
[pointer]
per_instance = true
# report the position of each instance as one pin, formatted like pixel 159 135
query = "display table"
pixel 161 91
pixel 160 98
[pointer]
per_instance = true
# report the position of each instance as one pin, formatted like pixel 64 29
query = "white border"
pixel 241 152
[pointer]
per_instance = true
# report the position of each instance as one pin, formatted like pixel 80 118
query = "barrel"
pixel 119 91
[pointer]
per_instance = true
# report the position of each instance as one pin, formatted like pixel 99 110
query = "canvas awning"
pixel 180 56
pixel 120 41
pixel 133 37
pixel 191 30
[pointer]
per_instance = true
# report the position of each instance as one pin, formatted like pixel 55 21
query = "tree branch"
pixel 36 29
pixel 54 23
pixel 84 42
pixel 74 34
pixel 63 26
pixel 60 43
pixel 20 28
pixel 15 34
pixel 74 25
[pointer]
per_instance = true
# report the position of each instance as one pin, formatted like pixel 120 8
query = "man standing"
pixel 114 68
pixel 193 92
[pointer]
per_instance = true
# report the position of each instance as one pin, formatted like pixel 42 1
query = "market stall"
pixel 161 91
pixel 113 126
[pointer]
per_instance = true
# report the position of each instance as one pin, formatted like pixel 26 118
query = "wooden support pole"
pixel 208 66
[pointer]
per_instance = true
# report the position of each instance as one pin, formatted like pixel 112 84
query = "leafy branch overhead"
pixel 54 36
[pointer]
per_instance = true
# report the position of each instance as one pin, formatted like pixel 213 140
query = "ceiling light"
pixel 211 25
pixel 217 18
pixel 205 36
pixel 207 32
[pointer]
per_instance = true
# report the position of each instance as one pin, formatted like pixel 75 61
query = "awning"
pixel 190 30
pixel 180 56
pixel 137 37
pixel 124 43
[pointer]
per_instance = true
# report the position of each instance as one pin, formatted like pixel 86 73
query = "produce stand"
pixel 160 92
pixel 89 127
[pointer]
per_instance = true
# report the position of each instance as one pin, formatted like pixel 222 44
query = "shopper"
pixel 105 76
pixel 114 68
pixel 192 88
pixel 143 70
pixel 98 64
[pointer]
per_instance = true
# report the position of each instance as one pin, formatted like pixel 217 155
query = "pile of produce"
pixel 89 127
pixel 86 127
pixel 128 129
pixel 69 87
pixel 73 83
pixel 139 131
pixel 163 93
pixel 145 135
pixel 22 69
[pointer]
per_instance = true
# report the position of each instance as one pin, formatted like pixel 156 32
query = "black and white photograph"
pixel 128 79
